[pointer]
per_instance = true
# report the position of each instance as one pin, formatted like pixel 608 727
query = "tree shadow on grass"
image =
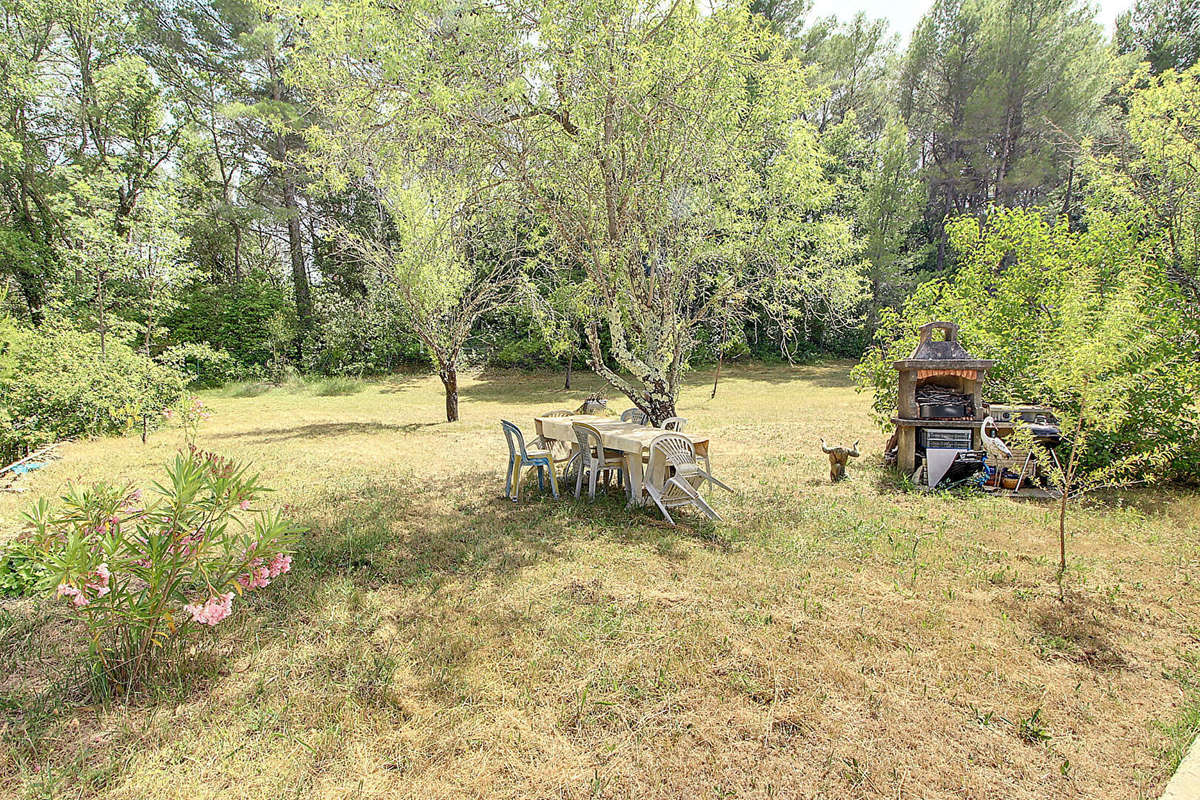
pixel 322 430
pixel 398 533
pixel 827 375
pixel 1074 631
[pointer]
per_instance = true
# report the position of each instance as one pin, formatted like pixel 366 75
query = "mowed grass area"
pixel 435 640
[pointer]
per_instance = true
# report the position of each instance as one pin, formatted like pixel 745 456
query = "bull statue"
pixel 838 457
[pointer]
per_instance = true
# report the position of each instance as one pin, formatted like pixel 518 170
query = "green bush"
pixel 206 367
pixel 147 573
pixel 236 318
pixel 361 335
pixel 60 385
pixel 20 569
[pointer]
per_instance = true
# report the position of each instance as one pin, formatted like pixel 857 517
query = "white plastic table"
pixel 629 438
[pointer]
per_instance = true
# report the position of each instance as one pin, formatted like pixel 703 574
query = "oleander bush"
pixel 147 573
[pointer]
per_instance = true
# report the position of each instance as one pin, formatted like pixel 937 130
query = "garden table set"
pixel 657 464
pixel 630 439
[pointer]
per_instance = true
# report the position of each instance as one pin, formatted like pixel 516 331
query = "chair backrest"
pixel 673 423
pixel 559 412
pixel 675 451
pixel 516 441
pixel 634 415
pixel 588 437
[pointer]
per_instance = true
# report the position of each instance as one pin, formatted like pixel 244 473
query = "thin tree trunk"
pixel 1068 479
pixel 295 239
pixel 720 361
pixel 1066 206
pixel 449 376
pixel 102 322
pixel 570 361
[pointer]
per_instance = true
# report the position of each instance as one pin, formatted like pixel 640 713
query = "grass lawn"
pixel 435 640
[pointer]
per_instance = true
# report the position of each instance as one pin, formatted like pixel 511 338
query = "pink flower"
pixel 99 583
pixel 167 413
pixel 77 597
pixel 212 611
pixel 258 576
pixel 280 564
pixel 244 505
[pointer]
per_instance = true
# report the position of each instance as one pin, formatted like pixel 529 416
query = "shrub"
pixel 61 385
pixel 361 335
pixel 146 577
pixel 206 367
pixel 236 318
pixel 21 569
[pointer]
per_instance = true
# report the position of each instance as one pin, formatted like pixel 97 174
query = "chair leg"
pixel 666 514
pixel 578 479
pixel 541 479
pixel 516 495
pixel 657 498
pixel 697 500
pixel 508 478
pixel 592 473
pixel 553 482
pixel 706 508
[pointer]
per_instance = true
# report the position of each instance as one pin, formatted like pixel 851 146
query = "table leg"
pixel 633 466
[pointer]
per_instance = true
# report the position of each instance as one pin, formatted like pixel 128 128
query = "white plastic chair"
pixel 560 449
pixel 634 415
pixel 673 424
pixel 674 458
pixel 593 458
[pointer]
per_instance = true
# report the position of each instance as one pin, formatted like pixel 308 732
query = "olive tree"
pixel 433 252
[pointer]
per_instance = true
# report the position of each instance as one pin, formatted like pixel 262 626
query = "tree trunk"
pixel 296 249
pixel 101 320
pixel 720 361
pixel 449 376
pixel 1068 481
pixel 570 361
pixel 295 240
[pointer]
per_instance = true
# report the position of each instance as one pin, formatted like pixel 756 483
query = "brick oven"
pixel 940 401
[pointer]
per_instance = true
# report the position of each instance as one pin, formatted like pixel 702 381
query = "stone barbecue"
pixel 940 389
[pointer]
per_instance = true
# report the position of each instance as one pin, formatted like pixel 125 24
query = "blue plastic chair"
pixel 520 457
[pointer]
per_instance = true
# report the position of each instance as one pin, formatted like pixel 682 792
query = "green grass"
pixel 436 640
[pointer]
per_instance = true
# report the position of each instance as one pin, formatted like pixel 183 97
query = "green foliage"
pixel 994 90
pixel 143 575
pixel 1060 312
pixel 61 386
pixel 21 569
pixel 1165 33
pixel 362 334
pixel 205 366
pixel 251 320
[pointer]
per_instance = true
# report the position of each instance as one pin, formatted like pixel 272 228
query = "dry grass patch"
pixel 435 640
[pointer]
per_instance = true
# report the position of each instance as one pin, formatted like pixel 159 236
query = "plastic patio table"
pixel 627 437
